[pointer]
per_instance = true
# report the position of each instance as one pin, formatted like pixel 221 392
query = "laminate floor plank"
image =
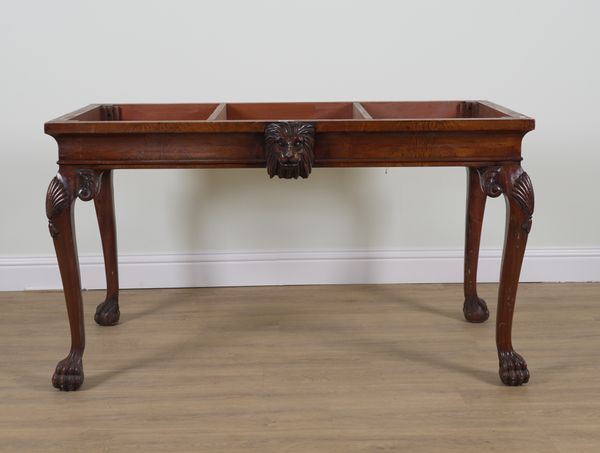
pixel 341 368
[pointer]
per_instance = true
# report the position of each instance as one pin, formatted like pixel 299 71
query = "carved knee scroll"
pixel 515 183
pixel 64 187
pixel 88 184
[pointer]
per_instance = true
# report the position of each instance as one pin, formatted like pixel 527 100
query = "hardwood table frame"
pixel 479 135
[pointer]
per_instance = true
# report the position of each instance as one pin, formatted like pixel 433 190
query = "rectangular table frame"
pixel 479 135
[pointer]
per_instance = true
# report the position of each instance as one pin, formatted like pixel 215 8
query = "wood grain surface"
pixel 303 369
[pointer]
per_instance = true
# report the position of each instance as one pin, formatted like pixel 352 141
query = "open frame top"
pixel 325 116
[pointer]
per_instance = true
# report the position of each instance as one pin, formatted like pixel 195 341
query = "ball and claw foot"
pixel 107 313
pixel 475 309
pixel 513 369
pixel 68 375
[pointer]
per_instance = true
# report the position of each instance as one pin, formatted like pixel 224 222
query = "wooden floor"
pixel 303 369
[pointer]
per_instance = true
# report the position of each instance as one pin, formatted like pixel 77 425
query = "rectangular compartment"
pixel 431 110
pixel 292 111
pixel 148 112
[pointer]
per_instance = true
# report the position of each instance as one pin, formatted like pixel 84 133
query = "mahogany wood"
pixel 107 313
pixel 60 201
pixel 359 112
pixel 482 136
pixel 289 149
pixel 516 186
pixel 474 308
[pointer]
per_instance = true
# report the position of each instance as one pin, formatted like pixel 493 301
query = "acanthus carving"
pixel 522 193
pixel 490 184
pixel 289 149
pixel 57 199
pixel 88 183
pixel 494 183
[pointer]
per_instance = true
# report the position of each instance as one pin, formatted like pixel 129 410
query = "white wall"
pixel 540 58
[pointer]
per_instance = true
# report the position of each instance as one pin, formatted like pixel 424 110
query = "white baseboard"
pixel 299 268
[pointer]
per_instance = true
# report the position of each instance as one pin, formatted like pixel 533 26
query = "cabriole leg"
pixel 60 201
pixel 516 186
pixel 107 312
pixel 474 308
pixel 68 185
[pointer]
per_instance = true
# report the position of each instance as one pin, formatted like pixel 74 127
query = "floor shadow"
pixel 366 342
pixel 170 300
pixel 395 293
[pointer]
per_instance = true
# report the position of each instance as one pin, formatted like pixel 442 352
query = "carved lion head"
pixel 289 148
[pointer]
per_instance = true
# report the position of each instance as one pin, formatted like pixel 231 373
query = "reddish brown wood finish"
pixel 107 313
pixel 289 149
pixel 474 308
pixel 60 201
pixel 516 186
pixel 482 136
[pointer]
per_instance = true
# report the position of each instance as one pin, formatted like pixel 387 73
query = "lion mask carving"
pixel 289 148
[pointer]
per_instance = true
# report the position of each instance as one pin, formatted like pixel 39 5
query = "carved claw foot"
pixel 68 375
pixel 475 309
pixel 107 313
pixel 513 369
